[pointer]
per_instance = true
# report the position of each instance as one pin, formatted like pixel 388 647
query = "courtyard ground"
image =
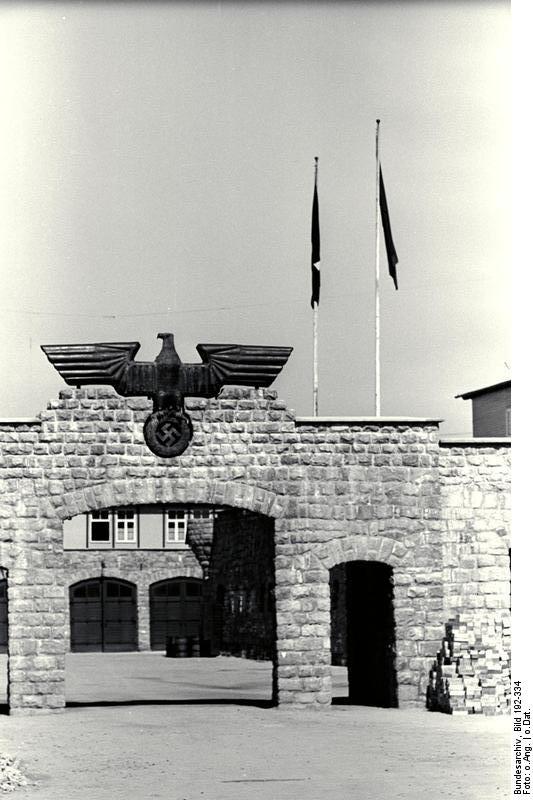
pixel 145 727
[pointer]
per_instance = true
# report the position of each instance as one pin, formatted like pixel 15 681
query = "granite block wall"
pixel 476 523
pixel 476 515
pixel 335 490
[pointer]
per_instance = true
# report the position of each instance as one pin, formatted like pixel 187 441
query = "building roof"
pixel 486 389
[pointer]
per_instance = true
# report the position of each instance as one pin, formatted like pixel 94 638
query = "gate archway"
pixel 103 615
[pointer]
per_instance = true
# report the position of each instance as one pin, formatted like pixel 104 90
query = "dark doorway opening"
pixel 103 616
pixel 3 616
pixel 240 597
pixel 3 644
pixel 176 612
pixel 363 624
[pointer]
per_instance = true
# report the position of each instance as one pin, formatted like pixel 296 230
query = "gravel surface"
pixel 157 743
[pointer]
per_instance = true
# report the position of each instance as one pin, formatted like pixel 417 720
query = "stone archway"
pixel 50 511
pixel 415 632
pixel 164 490
pixel 355 547
pixel 364 567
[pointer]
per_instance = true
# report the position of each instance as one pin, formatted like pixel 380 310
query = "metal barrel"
pixel 195 646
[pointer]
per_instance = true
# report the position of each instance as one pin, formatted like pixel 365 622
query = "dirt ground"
pixel 144 727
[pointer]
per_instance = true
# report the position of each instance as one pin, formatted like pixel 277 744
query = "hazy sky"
pixel 157 174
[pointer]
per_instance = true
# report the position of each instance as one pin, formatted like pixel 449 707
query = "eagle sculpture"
pixel 167 380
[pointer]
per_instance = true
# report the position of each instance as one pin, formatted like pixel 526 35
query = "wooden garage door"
pixel 175 610
pixel 103 615
pixel 3 616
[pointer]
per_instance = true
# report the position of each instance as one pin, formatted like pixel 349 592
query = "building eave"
pixel 476 392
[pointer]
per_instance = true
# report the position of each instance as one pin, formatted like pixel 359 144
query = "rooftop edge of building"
pixel 367 420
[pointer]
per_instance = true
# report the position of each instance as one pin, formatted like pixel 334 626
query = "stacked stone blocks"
pixel 471 674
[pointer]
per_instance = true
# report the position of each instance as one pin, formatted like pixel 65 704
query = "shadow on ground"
pixel 207 701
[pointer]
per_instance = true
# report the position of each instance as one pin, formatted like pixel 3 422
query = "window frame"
pixel 125 520
pixel 109 519
pixel 179 523
pixel 123 526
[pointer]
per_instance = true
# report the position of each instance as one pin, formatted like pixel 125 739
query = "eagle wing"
pixel 101 363
pixel 113 363
pixel 242 364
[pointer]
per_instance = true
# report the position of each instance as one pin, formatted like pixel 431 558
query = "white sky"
pixel 157 174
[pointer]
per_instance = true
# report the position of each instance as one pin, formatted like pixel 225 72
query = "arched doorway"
pixel 363 631
pixel 103 615
pixel 176 611
pixel 3 615
pixel 3 643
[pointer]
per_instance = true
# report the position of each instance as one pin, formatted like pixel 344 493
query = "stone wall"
pixel 476 500
pixel 336 491
pixel 476 517
pixel 374 495
pixel 339 621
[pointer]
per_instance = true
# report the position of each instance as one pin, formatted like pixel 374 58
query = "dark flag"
pixel 392 258
pixel 315 248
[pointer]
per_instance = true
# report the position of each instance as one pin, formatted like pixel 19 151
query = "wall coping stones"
pixel 367 421
pixel 475 441
pixel 20 421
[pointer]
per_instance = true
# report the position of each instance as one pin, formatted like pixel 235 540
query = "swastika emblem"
pixel 167 433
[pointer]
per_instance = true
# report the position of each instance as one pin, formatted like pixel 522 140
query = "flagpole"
pixel 378 364
pixel 315 331
pixel 315 360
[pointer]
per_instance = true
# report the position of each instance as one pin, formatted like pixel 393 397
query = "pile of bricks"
pixel 471 674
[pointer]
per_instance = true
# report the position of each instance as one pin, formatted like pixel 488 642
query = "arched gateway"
pixel 326 491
